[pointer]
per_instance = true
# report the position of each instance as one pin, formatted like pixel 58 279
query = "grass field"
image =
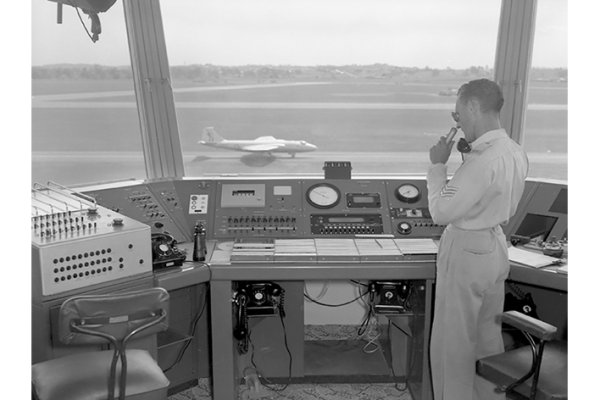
pixel 85 131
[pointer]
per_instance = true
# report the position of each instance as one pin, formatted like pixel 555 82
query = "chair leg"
pixel 123 380
pixel 537 352
pixel 538 365
pixel 113 373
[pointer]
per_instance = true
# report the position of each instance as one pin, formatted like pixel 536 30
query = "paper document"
pixel 416 246
pixel 529 258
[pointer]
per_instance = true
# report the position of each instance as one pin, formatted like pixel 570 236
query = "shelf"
pixel 336 359
pixel 171 337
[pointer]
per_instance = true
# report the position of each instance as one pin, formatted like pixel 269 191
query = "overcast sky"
pixel 434 33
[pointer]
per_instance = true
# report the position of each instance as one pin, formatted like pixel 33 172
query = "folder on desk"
pixel 530 258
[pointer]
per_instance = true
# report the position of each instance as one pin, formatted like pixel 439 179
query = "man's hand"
pixel 441 151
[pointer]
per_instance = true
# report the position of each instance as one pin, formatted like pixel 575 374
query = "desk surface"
pixel 197 272
pixel 544 277
pixel 223 269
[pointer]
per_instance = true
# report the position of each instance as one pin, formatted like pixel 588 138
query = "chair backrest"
pixel 117 315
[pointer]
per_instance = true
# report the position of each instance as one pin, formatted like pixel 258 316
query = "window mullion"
pixel 513 61
pixel 154 94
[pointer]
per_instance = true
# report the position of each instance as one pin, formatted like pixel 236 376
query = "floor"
pixel 345 391
pixel 313 391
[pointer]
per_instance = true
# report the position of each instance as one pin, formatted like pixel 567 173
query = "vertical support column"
pixel 154 93
pixel 513 62
pixel 427 379
pixel 224 351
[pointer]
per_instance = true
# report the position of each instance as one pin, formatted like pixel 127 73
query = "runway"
pixel 109 166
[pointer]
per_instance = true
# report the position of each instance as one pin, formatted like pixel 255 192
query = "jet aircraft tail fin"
pixel 210 135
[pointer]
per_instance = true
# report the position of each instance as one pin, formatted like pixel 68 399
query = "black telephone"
pixel 165 252
pixel 394 297
pixel 256 299
pixel 463 146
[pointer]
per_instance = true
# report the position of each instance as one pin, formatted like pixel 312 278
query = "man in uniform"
pixel 472 262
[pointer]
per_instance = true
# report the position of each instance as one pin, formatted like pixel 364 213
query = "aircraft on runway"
pixel 263 144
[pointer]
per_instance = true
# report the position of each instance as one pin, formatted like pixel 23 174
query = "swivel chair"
pixel 92 375
pixel 544 361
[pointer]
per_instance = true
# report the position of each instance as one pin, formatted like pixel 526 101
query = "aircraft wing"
pixel 262 147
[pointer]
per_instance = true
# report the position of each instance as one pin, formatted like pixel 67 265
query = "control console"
pixel 252 207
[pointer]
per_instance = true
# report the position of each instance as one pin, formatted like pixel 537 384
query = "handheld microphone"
pixel 451 134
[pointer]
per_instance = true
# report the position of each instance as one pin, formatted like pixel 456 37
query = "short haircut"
pixel 486 92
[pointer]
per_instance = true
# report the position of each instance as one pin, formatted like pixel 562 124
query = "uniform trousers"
pixel 469 298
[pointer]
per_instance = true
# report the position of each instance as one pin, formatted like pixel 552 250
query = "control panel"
pixel 269 208
pixel 409 211
pixel 232 208
pixel 152 204
pixel 77 243
pixel 346 208
pixel 346 224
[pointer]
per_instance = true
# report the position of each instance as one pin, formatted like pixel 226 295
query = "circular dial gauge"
pixel 404 228
pixel 408 193
pixel 323 195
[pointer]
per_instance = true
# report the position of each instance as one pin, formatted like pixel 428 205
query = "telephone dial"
pixel 394 297
pixel 165 252
pixel 255 299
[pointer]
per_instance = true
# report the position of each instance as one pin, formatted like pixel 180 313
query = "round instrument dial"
pixel 323 195
pixel 408 193
pixel 404 228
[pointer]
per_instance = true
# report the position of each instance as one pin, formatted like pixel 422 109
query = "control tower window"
pixel 370 83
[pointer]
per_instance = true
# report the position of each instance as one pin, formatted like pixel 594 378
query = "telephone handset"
pixel 165 252
pixel 256 299
pixel 463 146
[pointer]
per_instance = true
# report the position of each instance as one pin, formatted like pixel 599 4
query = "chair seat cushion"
pixel 506 368
pixel 85 376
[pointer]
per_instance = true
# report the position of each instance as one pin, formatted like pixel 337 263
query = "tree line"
pixel 197 72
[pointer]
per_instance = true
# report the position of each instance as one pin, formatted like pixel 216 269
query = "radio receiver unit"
pixel 76 243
